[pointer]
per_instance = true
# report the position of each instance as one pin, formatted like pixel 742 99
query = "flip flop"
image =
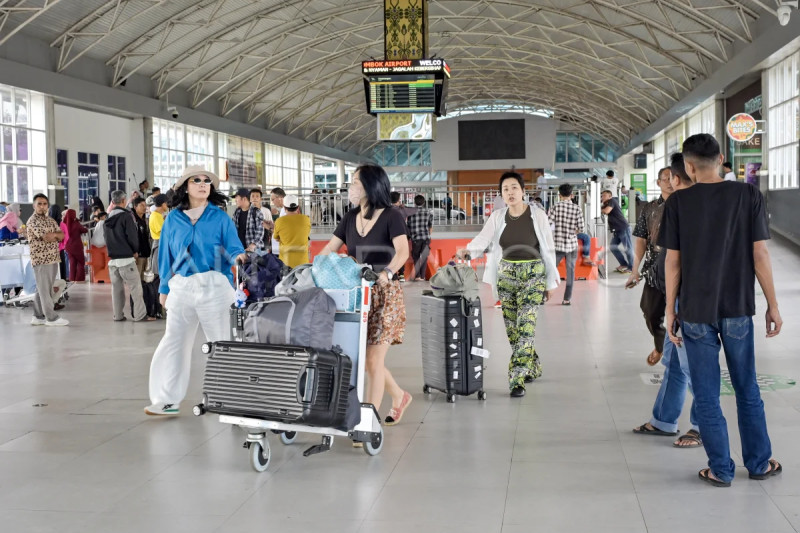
pixel 644 430
pixel 654 360
pixel 705 475
pixel 775 469
pixel 690 436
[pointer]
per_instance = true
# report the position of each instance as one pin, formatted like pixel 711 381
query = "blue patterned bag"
pixel 335 272
pixel 343 273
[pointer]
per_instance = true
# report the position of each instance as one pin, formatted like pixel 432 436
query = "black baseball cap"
pixel 244 192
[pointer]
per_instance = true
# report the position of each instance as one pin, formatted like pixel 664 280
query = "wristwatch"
pixel 389 273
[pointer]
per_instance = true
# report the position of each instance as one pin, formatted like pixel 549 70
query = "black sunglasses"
pixel 199 180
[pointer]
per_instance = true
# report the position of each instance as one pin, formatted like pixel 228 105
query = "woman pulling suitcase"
pixel 199 245
pixel 521 268
pixel 375 234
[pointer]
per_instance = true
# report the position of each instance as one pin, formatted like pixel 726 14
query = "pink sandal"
pixel 396 413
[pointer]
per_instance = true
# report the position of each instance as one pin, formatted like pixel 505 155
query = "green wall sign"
pixel 639 183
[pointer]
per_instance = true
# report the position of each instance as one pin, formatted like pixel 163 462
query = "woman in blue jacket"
pixel 199 245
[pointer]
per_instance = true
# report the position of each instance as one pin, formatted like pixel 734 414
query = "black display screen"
pixel 414 93
pixel 481 140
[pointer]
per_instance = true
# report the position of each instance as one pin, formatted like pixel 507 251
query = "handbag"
pixel 335 272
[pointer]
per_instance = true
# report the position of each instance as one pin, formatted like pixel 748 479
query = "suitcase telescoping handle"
pixel 305 384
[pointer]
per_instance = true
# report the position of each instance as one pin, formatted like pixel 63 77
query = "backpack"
pixel 456 280
pixel 262 274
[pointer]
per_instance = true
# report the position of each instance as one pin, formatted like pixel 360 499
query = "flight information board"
pixel 402 94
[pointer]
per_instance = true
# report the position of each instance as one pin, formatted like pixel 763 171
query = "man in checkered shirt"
pixel 420 225
pixel 568 221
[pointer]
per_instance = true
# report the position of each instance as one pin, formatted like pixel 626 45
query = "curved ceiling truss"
pixel 610 67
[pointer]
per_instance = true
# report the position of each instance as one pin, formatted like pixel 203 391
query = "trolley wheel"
pixel 372 449
pixel 259 457
pixel 199 410
pixel 426 389
pixel 482 395
pixel 288 437
pixel 451 398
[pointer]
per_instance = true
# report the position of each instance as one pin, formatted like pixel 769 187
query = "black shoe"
pixel 529 379
pixel 517 392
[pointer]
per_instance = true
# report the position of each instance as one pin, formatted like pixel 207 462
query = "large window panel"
pixel 573 148
pixel 23 144
pixel 782 119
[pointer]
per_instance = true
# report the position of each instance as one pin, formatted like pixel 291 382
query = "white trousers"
pixel 200 299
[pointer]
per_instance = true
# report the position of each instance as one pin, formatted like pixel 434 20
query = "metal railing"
pixel 450 206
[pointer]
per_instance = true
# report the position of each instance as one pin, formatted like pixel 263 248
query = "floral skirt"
pixel 387 314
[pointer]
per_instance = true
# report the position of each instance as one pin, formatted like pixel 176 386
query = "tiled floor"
pixel 562 459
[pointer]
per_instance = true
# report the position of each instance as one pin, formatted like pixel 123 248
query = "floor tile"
pixel 573 509
pixel 153 523
pixel 436 505
pixel 716 508
pixel 18 521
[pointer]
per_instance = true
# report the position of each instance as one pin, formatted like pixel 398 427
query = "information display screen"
pixel 402 94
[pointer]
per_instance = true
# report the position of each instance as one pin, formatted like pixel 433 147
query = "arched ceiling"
pixel 610 67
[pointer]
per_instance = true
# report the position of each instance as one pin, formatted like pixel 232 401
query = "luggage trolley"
pixel 350 332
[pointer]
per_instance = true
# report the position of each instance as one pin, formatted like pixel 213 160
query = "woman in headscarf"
pixel 10 223
pixel 74 246
pixel 55 214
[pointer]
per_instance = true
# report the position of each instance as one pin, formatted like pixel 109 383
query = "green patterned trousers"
pixel 521 287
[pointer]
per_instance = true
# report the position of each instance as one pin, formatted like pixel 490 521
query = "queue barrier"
pixel 97 264
pixel 582 270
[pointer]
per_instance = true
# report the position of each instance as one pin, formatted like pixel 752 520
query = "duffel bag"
pixel 301 319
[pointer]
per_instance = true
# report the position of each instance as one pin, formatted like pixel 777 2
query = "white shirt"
pixel 276 246
pixel 610 184
pixel 730 176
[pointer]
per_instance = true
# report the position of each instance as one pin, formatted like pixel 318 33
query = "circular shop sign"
pixel 742 127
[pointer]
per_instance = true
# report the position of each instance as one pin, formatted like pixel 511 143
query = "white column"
pixel 149 172
pixel 339 174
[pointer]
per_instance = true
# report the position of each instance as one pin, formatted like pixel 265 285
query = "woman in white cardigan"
pixel 521 268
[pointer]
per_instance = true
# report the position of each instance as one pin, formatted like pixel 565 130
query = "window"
pixel 175 147
pixel 88 180
pixel 782 121
pixel 116 174
pixel 62 170
pixel 23 158
pixel 561 147
pixel 573 148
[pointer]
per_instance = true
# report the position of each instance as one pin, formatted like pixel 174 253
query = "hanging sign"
pixel 742 127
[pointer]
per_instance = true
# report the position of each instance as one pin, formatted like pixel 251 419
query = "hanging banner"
pixel 742 127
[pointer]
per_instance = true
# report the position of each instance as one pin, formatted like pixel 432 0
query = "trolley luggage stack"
pixel 288 389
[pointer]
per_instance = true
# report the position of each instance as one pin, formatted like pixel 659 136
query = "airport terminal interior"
pixel 283 102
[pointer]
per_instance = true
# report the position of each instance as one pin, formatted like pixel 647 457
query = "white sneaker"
pixel 59 322
pixel 37 321
pixel 162 409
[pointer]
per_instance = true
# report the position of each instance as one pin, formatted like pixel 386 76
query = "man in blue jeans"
pixel 621 231
pixel 676 379
pixel 715 234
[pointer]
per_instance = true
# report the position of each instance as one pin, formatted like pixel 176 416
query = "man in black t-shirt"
pixel 715 233
pixel 621 231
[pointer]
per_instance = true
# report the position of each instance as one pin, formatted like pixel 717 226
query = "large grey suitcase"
pixel 452 345
pixel 282 383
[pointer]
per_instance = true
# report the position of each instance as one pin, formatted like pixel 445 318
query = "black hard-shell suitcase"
pixel 286 384
pixel 452 345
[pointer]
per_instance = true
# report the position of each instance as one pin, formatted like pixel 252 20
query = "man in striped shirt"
pixel 568 222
